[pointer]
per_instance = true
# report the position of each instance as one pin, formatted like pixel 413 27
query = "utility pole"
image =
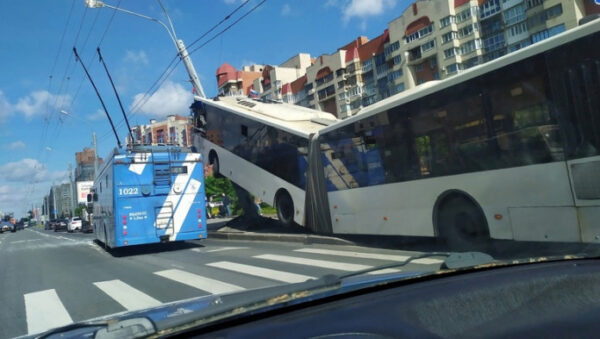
pixel 71 190
pixel 54 201
pixel 95 155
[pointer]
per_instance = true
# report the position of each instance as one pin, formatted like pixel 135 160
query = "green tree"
pixel 78 210
pixel 215 186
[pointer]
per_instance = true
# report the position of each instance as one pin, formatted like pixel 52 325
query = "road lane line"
pixel 129 297
pixel 335 265
pixel 44 311
pixel 218 249
pixel 261 272
pixel 197 281
pixel 362 255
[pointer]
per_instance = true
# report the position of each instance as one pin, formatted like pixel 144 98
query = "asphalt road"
pixel 51 279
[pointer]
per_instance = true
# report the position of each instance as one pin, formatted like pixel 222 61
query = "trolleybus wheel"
pixel 461 224
pixel 285 207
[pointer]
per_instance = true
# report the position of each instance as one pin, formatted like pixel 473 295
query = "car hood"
pixel 204 310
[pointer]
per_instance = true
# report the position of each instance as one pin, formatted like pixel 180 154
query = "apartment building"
pixel 430 40
pixel 84 171
pixel 174 130
pixel 233 82
pixel 270 83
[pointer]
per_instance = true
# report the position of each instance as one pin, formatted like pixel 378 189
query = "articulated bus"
pixel 149 194
pixel 509 149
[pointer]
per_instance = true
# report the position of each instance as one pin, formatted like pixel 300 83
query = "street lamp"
pixel 63 112
pixel 181 50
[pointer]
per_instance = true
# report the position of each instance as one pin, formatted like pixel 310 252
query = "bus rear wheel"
pixel 285 208
pixel 213 160
pixel 461 224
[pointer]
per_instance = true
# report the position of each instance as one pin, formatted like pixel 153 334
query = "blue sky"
pixel 37 142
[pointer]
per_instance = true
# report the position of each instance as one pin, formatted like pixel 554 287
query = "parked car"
pixel 74 224
pixel 61 225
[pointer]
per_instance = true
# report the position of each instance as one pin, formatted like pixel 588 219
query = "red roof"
pixel 323 72
pixel 416 25
pixel 458 3
pixel 225 73
pixel 351 54
pixel 361 40
pixel 286 88
pixel 298 84
pixel 374 46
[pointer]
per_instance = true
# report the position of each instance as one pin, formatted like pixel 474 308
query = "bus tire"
pixel 461 224
pixel 285 207
pixel 213 160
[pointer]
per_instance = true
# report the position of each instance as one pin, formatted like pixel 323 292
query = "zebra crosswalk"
pixel 45 309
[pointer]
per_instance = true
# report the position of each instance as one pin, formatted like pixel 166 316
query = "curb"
pixel 300 238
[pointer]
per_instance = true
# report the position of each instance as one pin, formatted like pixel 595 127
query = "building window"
pixel 493 43
pixel 394 75
pixel 397 60
pixel 419 34
pixel 367 65
pixel 160 136
pixel 391 48
pixel 539 36
pixel 489 8
pixel 514 15
pixel 184 137
pixel 467 30
pixel 339 72
pixel 399 87
pixel 467 14
pixel 427 46
pixel 447 21
pixel 534 3
pixel 450 52
pixel 453 68
pixel 419 67
pixel 517 29
pixel 449 37
pixel 470 46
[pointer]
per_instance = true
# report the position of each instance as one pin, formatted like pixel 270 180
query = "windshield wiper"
pixel 453 261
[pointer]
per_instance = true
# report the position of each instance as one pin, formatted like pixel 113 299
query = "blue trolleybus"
pixel 149 194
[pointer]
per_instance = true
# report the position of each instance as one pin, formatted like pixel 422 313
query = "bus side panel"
pixel 104 207
pixel 407 208
pixel 254 179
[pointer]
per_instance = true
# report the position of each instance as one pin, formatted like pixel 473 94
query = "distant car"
pixel 20 225
pixel 6 226
pixel 74 224
pixel 61 225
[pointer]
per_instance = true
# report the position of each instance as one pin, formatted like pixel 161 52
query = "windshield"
pixel 180 149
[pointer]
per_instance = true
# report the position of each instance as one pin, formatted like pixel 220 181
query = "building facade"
pixel 233 82
pixel 175 130
pixel 430 40
pixel 84 170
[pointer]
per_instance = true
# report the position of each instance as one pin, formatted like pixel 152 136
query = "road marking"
pixel 27 240
pixel 197 281
pixel 218 249
pixel 127 296
pixel 378 256
pixel 261 272
pixel 314 262
pixel 44 311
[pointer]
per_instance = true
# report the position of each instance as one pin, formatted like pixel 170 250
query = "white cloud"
pixel 171 98
pixel 28 170
pixel 97 116
pixel 365 8
pixel 36 103
pixel 138 57
pixel 16 145
pixel 286 10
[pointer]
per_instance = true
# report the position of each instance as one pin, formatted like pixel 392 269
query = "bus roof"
pixel 292 118
pixel 437 85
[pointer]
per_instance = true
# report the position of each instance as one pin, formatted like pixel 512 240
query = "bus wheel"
pixel 461 223
pixel 213 160
pixel 285 207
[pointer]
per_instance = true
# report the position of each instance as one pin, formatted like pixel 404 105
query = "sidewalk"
pixel 267 228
